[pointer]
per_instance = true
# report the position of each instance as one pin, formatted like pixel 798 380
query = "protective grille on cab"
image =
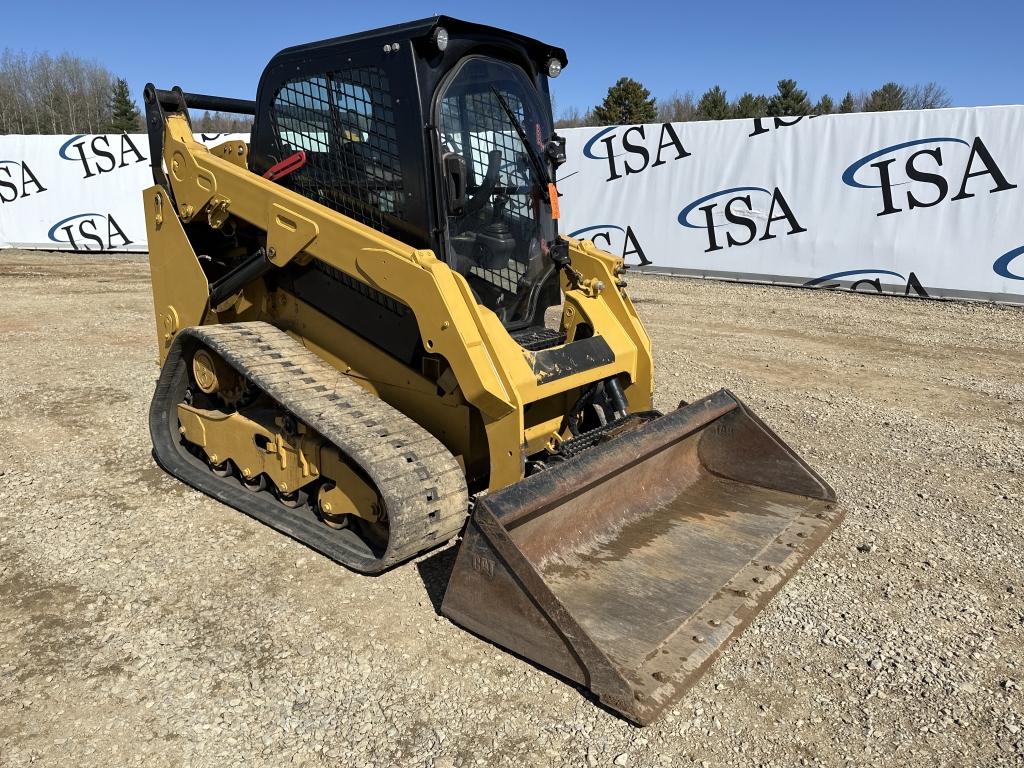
pixel 345 122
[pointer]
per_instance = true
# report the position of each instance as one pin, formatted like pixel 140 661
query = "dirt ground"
pixel 144 624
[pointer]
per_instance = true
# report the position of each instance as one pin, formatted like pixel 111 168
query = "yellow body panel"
pixel 291 462
pixel 482 417
pixel 179 285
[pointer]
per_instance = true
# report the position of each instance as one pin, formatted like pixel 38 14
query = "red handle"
pixel 290 164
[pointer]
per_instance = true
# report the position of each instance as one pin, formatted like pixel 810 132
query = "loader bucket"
pixel 629 567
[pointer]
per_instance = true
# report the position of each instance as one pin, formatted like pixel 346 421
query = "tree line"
pixel 41 93
pixel 219 122
pixel 628 102
pixel 65 94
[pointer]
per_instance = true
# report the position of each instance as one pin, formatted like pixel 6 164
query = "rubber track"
pixel 423 487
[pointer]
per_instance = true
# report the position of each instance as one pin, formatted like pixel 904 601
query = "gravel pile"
pixel 147 625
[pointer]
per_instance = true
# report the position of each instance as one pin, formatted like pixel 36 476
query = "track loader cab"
pixel 355 350
pixel 438 133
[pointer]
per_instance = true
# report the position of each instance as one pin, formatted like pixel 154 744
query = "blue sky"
pixel 971 48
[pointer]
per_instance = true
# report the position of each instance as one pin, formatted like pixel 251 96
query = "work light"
pixel 441 38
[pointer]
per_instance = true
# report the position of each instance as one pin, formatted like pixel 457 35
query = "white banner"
pixel 77 193
pixel 920 203
pixel 925 203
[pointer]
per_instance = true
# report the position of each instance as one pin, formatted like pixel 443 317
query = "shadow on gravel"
pixel 434 572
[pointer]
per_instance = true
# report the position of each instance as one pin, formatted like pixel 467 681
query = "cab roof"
pixel 424 28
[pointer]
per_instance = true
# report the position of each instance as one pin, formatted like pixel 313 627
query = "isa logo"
pixel 1002 265
pixel 89 232
pixel 101 154
pixel 868 280
pixel 17 180
pixel 615 239
pixel 744 214
pixel 630 153
pixel 942 163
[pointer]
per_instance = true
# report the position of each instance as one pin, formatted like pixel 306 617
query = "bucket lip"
pixel 749 597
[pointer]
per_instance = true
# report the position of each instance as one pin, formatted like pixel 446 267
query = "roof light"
pixel 441 38
pixel 554 67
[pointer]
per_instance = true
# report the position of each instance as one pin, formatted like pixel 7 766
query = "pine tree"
pixel 889 98
pixel 790 101
pixel 846 106
pixel 825 106
pixel 749 105
pixel 124 115
pixel 204 124
pixel 627 103
pixel 713 105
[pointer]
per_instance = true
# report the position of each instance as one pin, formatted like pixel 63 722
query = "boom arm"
pixel 495 375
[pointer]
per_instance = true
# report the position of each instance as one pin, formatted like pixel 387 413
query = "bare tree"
pixel 929 95
pixel 677 108
pixel 12 104
pixel 44 94
pixel 573 118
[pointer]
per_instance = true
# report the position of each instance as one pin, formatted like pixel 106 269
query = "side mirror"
pixel 455 181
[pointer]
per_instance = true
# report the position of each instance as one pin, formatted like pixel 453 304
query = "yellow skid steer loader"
pixel 373 339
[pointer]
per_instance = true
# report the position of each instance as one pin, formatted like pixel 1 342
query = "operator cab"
pixel 436 132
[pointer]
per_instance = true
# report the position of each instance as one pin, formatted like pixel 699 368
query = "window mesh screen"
pixel 479 122
pixel 507 279
pixel 345 122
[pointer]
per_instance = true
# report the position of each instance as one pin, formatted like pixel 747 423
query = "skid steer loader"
pixel 373 339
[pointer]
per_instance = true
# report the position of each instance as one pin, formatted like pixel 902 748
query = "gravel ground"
pixel 147 625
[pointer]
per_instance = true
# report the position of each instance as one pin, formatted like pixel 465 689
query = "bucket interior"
pixel 636 554
pixel 629 567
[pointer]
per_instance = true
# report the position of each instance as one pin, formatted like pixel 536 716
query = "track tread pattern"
pixel 423 487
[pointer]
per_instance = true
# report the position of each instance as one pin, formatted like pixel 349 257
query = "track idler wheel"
pixel 253 484
pixel 215 377
pixel 224 469
pixel 204 371
pixel 293 500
